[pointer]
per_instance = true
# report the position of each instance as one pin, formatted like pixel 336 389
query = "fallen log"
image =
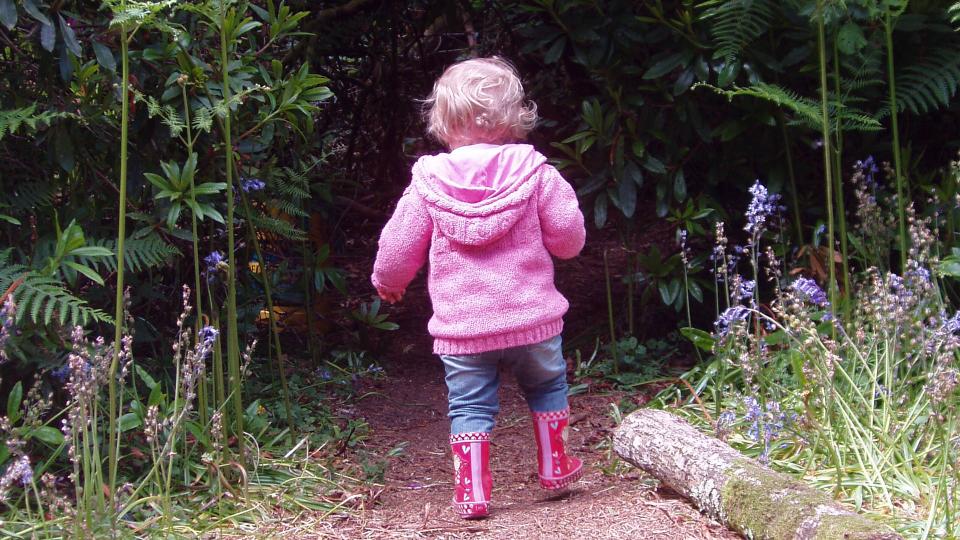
pixel 748 497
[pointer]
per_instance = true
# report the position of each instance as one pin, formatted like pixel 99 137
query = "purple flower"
pixel 252 184
pixel 730 316
pixel 952 325
pixel 208 334
pixel 869 169
pixel 214 261
pixel 763 206
pixel 811 291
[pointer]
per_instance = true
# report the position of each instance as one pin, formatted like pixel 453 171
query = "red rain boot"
pixel 557 469
pixel 471 474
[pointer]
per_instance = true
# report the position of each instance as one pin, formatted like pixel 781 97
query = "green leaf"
pixel 627 192
pixel 91 251
pixel 47 434
pixel 145 377
pixel 173 215
pixel 189 169
pixel 13 402
pixel 128 421
pixel 555 50
pixel 48 37
pixel 209 188
pixel 850 38
pixel 600 210
pixel 85 270
pixel 8 14
pixel 695 291
pixel 680 186
pixel 105 56
pixel 157 180
pixel 702 340
pixel 31 7
pixel 212 213
pixel 70 37
pixel 666 293
pixel 728 74
pixel 664 66
pixel 654 165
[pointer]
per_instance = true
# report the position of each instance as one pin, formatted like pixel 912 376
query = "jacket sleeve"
pixel 404 244
pixel 560 218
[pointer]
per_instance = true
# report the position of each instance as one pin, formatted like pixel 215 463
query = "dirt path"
pixel 409 407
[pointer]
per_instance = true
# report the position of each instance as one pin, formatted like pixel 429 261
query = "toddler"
pixel 488 215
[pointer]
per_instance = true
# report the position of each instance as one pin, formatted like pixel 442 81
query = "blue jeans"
pixel 473 381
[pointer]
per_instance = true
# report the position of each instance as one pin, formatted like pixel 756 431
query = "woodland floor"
pixel 410 407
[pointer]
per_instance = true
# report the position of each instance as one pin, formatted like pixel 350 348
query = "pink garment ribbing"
pixel 488 218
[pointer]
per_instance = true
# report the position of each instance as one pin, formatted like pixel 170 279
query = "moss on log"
pixel 748 497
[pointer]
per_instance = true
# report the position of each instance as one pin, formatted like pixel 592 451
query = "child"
pixel 488 214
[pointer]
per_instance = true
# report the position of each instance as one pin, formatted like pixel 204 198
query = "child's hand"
pixel 391 297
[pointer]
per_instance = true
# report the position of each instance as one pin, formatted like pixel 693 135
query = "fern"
pixel 12 120
pixel 268 225
pixel 139 254
pixel 29 196
pixel 734 24
pixel 807 110
pixel 930 83
pixel 954 13
pixel 43 299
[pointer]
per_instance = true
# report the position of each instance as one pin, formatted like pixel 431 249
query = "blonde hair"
pixel 479 101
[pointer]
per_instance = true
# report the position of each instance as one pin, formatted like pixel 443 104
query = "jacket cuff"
pixel 383 288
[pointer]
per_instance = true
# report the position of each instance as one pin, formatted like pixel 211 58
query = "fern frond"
pixel 278 227
pixel 807 110
pixel 286 207
pixel 930 83
pixel 170 117
pixel 12 120
pixel 43 299
pixel 954 13
pixel 139 254
pixel 29 196
pixel 734 24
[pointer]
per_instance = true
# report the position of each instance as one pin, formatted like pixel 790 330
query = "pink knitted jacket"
pixel 488 217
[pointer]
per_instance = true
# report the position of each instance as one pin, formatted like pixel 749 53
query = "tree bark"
pixel 748 497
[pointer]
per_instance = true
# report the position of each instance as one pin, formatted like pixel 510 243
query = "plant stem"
pixel 201 386
pixel 838 188
pixel 113 437
pixel 233 347
pixel 272 315
pixel 791 175
pixel 897 165
pixel 613 332
pixel 827 165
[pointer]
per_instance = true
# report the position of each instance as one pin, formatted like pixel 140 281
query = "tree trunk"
pixel 745 495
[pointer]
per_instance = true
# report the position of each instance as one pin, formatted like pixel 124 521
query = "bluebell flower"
pixel 763 206
pixel 811 291
pixel 952 325
pixel 252 184
pixel 869 169
pixel 730 316
pixel 61 373
pixel 208 334
pixel 213 260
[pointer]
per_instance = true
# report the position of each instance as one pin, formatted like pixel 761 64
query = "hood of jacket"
pixel 476 194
